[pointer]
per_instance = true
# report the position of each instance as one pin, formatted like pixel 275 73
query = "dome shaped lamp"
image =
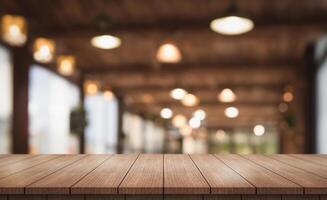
pixel 232 22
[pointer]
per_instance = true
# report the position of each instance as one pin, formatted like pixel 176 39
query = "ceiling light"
pixel 108 95
pixel 91 87
pixel 166 113
pixel 106 42
pixel 227 96
pixel 178 93
pixel 232 25
pixel 259 130
pixel 14 30
pixel 288 96
pixel 231 112
pixel 200 114
pixel 66 65
pixel 195 122
pixel 232 22
pixel 44 50
pixel 179 121
pixel 190 100
pixel 169 53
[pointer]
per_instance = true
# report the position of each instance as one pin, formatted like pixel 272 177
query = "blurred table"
pixel 163 176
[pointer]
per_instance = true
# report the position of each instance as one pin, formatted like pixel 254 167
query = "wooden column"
pixel 81 97
pixel 21 60
pixel 120 134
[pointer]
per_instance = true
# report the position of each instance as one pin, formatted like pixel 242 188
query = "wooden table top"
pixel 163 174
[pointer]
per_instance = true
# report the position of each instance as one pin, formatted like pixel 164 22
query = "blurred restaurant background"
pixel 163 76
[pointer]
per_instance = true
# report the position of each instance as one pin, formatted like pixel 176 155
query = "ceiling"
pixel 256 65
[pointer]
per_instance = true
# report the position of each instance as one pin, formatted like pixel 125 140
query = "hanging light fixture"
pixel 91 87
pixel 179 121
pixel 259 130
pixel 44 50
pixel 190 100
pixel 232 22
pixel 104 40
pixel 231 112
pixel 199 114
pixel 14 30
pixel 66 65
pixel 227 96
pixel 178 93
pixel 166 113
pixel 169 53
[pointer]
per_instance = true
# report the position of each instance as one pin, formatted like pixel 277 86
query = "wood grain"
pixel 316 158
pixel 297 197
pixel 222 197
pixel 306 165
pixel 16 183
pixel 8 160
pixel 221 178
pixel 6 170
pixel 312 184
pixel 145 176
pixel 106 178
pixel 61 181
pixel 266 181
pixel 181 176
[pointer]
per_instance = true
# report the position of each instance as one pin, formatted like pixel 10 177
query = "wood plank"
pixel 3 197
pixel 221 178
pixel 145 177
pixel 181 176
pixel 264 180
pixel 16 183
pixel 312 184
pixel 316 158
pixel 61 181
pixel 106 178
pixel 6 170
pixel 305 165
pixel 8 160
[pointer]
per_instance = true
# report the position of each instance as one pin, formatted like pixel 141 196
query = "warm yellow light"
pixel 190 100
pixel 194 122
pixel 108 95
pixel 200 114
pixel 44 50
pixel 169 53
pixel 106 42
pixel 259 130
pixel 14 30
pixel 91 87
pixel 227 96
pixel 178 93
pixel 179 121
pixel 66 65
pixel 166 113
pixel 185 130
pixel 232 25
pixel 231 112
pixel 288 96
